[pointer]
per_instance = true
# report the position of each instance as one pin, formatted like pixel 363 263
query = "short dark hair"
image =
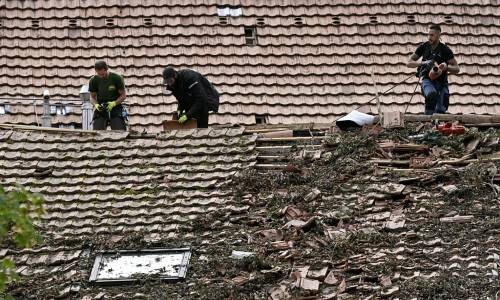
pixel 435 27
pixel 169 72
pixel 100 65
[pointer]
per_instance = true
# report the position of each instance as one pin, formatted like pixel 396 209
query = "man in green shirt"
pixel 107 92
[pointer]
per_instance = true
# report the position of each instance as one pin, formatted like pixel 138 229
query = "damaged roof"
pixel 345 215
pixel 301 61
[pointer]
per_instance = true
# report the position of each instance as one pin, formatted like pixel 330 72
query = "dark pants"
pixel 116 123
pixel 202 121
pixel 436 96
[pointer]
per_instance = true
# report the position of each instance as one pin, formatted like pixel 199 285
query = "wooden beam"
pixel 48 129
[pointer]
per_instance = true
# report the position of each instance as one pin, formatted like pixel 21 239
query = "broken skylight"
pixel 131 265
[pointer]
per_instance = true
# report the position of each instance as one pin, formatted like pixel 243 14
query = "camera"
pixel 425 68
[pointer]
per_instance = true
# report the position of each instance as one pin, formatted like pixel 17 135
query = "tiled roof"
pixel 118 185
pixel 310 69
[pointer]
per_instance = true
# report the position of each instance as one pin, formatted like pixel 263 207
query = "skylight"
pixel 131 265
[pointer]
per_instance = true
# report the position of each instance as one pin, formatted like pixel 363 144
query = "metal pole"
pixel 46 119
pixel 87 112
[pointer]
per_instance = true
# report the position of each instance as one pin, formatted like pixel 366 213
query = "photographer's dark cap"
pixel 168 72
pixel 100 64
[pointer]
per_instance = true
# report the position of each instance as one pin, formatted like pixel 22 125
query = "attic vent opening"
pixel 336 20
pixel 448 19
pixel 148 21
pixel 223 20
pixel 229 11
pixel 260 21
pixel 110 22
pixel 411 19
pixel 4 109
pixel 298 21
pixel 261 119
pixel 250 35
pixel 373 19
pixel 73 23
pixel 35 23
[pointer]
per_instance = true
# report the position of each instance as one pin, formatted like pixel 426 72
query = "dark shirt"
pixel 192 91
pixel 441 54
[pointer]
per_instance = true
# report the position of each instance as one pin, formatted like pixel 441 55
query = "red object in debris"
pixel 450 128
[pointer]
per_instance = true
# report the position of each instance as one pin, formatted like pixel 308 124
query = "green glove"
pixel 97 106
pixel 111 105
pixel 183 119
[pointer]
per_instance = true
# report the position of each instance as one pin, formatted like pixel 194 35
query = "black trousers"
pixel 202 120
pixel 116 123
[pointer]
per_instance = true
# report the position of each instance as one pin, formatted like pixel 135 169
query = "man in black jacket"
pixel 195 95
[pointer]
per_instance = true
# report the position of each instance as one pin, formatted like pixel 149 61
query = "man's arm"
pixel 453 67
pixel 122 96
pixel 412 62
pixel 93 98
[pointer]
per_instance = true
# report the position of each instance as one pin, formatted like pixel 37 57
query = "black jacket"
pixel 192 91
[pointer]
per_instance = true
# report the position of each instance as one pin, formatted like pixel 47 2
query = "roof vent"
pixel 229 11
pixel 223 20
pixel 298 21
pixel 110 22
pixel 35 23
pixel 5 109
pixel 448 20
pixel 73 23
pixel 251 35
pixel 411 19
pixel 261 21
pixel 261 119
pixel 336 20
pixel 373 19
pixel 148 21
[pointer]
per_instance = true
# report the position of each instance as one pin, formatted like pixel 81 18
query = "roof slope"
pixel 337 221
pixel 118 186
pixel 313 59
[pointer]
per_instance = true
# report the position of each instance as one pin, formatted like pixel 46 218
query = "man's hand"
pixel 426 62
pixel 97 107
pixel 443 67
pixel 182 119
pixel 111 105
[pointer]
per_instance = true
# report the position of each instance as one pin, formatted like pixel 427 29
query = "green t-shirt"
pixel 106 89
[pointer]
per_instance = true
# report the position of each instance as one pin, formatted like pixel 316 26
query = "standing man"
pixel 437 61
pixel 107 92
pixel 195 95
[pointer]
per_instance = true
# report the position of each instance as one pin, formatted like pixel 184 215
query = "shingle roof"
pixel 118 185
pixel 308 70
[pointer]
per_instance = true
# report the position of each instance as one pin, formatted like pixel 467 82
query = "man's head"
pixel 101 68
pixel 169 76
pixel 434 34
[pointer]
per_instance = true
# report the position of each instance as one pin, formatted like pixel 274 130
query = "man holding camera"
pixel 437 61
pixel 107 92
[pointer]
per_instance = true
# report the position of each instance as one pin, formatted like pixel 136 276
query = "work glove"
pixel 111 105
pixel 97 107
pixel 182 119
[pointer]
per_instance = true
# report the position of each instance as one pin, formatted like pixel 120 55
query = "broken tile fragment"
pixel 331 279
pixel 318 274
